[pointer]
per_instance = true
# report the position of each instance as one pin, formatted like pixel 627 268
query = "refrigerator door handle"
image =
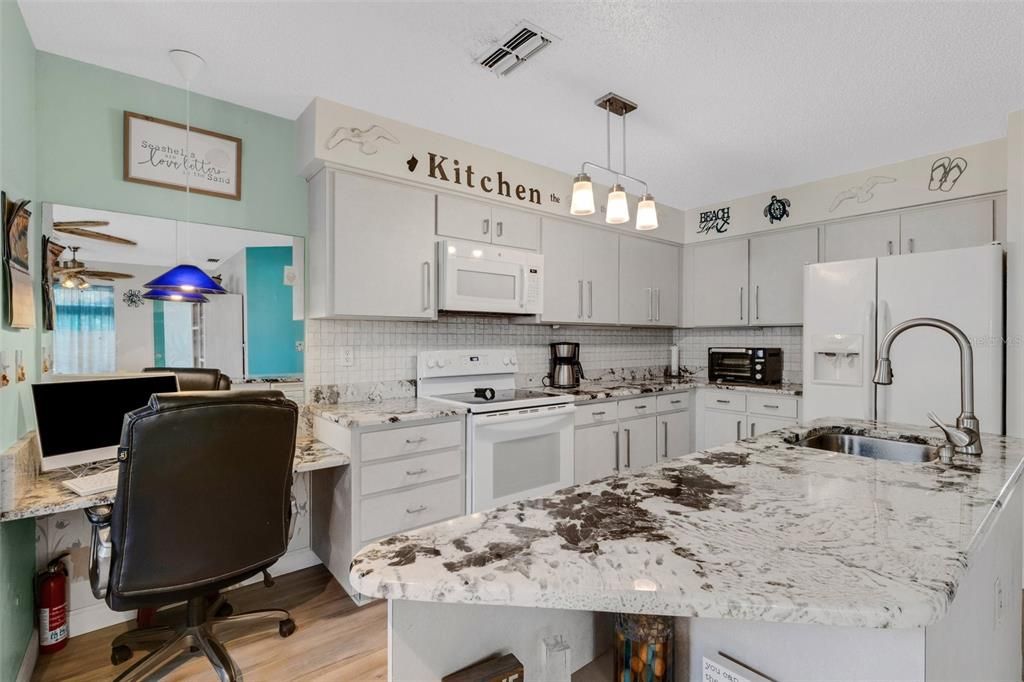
pixel 882 328
pixel 869 361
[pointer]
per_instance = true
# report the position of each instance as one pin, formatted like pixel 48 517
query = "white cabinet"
pixel 716 284
pixel 674 435
pixel 581 281
pixel 868 237
pixel 723 427
pixel 463 218
pixel 648 282
pixel 932 228
pixel 371 248
pixel 952 226
pixel 596 452
pixel 638 443
pixel 759 424
pixel 777 275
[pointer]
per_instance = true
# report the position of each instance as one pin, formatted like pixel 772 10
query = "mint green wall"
pixel 268 302
pixel 18 178
pixel 80 106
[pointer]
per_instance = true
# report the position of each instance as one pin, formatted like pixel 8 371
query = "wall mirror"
pixel 104 324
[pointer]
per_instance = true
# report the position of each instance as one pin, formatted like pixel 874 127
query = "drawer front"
pixel 599 413
pixel 389 475
pixel 673 401
pixel 410 440
pixel 773 405
pixel 397 512
pixel 725 400
pixel 638 407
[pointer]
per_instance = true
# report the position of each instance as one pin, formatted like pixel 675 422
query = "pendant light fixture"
pixel 185 282
pixel 617 207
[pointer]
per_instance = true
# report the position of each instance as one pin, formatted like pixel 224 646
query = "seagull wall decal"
pixel 862 193
pixel 366 139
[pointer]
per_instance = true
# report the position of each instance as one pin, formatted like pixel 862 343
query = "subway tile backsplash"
pixel 383 353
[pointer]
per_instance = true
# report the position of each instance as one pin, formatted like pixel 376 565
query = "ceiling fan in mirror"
pixel 73 273
pixel 85 229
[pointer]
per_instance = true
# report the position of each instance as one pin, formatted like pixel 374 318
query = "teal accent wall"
pixel 81 108
pixel 18 179
pixel 272 333
pixel 159 353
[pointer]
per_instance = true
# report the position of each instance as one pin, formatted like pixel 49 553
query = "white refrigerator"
pixel 850 305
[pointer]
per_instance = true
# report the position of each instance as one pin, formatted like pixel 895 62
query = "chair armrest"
pixel 100 549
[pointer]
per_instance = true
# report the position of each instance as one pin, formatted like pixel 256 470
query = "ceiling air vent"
pixel 520 44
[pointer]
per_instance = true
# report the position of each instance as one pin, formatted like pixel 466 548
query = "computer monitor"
pixel 79 421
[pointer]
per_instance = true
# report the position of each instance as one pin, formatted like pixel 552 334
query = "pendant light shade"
pixel 175 296
pixel 582 195
pixel 618 207
pixel 186 279
pixel 646 213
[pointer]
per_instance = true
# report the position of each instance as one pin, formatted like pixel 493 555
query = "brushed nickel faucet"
pixel 966 437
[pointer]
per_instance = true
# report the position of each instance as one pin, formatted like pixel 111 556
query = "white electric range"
pixel 519 443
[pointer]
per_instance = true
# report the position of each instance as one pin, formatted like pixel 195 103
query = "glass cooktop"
pixel 503 396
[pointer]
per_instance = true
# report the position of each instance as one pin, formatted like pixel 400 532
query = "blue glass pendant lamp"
pixel 175 296
pixel 186 279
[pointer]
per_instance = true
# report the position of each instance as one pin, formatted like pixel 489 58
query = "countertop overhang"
pixel 757 530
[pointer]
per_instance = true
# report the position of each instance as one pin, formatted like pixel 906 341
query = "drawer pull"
pixel 599 414
pixel 674 402
pixel 416 510
pixel 774 407
pixel 639 407
pixel 416 441
pixel 416 472
pixel 723 402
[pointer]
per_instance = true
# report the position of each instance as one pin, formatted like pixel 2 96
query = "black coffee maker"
pixel 566 370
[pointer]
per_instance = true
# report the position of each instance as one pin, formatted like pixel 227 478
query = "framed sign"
pixel 154 154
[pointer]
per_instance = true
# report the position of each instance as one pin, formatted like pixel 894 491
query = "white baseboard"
pixel 28 661
pixel 98 615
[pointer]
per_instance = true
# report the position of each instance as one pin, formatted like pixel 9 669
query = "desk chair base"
pixel 198 633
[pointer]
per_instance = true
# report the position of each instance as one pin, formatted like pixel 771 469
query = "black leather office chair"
pixel 197 378
pixel 203 502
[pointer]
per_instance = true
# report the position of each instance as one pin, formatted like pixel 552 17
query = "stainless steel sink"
pixel 866 446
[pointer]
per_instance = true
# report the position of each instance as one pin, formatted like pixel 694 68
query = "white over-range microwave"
pixel 489 279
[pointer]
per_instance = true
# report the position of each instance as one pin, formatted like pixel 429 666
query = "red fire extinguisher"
pixel 52 593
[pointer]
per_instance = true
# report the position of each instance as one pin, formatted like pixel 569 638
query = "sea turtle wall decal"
pixel 777 209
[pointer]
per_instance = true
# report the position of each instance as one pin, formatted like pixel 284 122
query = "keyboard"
pixel 93 484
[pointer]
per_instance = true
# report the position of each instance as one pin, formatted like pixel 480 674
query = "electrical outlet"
pixel 347 356
pixel 299 346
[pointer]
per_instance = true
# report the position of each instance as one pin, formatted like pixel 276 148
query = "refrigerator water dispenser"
pixel 838 359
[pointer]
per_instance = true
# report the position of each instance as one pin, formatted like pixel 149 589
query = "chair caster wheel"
pixel 286 627
pixel 224 610
pixel 120 654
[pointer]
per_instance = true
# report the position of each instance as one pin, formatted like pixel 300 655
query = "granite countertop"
pixel 757 530
pixel 47 496
pixel 609 389
pixel 391 411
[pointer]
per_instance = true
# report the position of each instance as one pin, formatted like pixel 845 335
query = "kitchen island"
pixel 802 563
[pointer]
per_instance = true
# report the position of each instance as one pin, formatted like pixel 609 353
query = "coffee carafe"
pixel 566 370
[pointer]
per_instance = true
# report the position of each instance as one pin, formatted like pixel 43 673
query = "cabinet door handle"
pixel 590 298
pixel 910 245
pixel 426 285
pixel 753 425
pixel 416 510
pixel 739 427
pixel 889 246
pixel 657 304
pixel 487 225
pixel 416 472
pixel 629 439
pixel 757 302
pixel 616 435
pixel 741 304
pixel 650 303
pixel 499 225
pixel 664 425
pixel 579 307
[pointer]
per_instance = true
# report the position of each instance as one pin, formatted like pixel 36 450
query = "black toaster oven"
pixel 745 365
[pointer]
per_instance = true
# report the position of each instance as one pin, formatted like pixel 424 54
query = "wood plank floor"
pixel 334 639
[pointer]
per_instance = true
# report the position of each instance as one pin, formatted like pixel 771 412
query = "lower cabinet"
pixel 723 427
pixel 727 416
pixel 627 435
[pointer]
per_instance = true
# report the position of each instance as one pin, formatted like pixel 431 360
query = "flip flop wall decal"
pixel 945 173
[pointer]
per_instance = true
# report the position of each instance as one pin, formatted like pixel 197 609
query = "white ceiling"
pixel 735 98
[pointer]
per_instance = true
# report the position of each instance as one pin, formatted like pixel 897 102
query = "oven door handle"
pixel 484 420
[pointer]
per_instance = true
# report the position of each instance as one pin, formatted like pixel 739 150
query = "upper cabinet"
pixel 467 219
pixel 648 282
pixel 741 282
pixel 371 250
pixel 581 280
pixel 933 228
pixel 777 275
